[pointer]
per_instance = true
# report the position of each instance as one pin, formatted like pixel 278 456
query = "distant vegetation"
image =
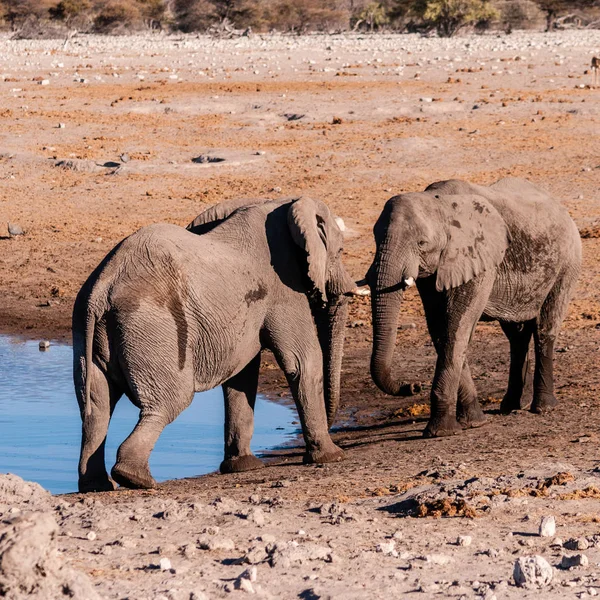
pixel 56 18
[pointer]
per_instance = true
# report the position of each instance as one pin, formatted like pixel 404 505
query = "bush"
pixel 449 16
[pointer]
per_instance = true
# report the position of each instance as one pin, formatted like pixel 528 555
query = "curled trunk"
pixel 385 310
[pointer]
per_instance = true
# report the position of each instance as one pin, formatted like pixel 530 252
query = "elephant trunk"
pixel 331 326
pixel 385 306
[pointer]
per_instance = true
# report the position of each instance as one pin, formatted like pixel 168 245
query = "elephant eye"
pixel 422 243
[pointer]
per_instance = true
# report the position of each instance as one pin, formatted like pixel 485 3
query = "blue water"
pixel 40 426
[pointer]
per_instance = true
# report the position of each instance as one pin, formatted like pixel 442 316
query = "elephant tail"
pixel 90 326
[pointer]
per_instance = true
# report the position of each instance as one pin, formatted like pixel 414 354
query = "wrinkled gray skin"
pixel 171 312
pixel 506 252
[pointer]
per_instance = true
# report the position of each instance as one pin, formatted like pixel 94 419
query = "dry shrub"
pixel 415 410
pixel 445 508
pixel 588 492
pixel 590 232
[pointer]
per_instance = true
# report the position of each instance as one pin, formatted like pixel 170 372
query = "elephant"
pixel 507 252
pixel 170 312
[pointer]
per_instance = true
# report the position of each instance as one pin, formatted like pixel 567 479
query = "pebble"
pixel 464 540
pixel 165 564
pixel 250 574
pixel 44 82
pixel 387 548
pixel 547 526
pixel 576 560
pixel 437 559
pixel 91 536
pixel 44 345
pixel 576 544
pixel 61 126
pixel 244 585
pixel 532 571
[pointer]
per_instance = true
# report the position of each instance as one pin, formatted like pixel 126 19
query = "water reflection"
pixel 40 427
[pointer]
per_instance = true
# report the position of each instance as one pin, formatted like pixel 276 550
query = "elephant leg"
pixel 544 335
pixel 519 337
pixel 468 410
pixel 462 307
pixel 240 396
pixel 296 347
pixel 103 399
pixel 161 405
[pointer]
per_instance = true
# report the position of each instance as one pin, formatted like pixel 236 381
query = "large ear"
pixel 307 223
pixel 477 239
pixel 219 212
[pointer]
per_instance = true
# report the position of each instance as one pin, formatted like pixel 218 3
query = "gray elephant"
pixel 171 312
pixel 507 252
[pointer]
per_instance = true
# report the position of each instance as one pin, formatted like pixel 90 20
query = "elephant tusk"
pixel 408 281
pixel 360 291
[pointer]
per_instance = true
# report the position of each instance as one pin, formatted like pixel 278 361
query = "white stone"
pixel 532 571
pixel 548 526
pixel 91 536
pixel 464 540
pixel 387 548
pixel 165 564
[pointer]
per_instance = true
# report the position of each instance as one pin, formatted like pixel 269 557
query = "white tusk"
pixel 409 281
pixel 361 291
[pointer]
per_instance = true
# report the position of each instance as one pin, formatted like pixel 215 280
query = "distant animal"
pixel 508 252
pixel 595 68
pixel 14 230
pixel 171 311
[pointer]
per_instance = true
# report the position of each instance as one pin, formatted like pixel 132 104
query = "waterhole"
pixel 40 426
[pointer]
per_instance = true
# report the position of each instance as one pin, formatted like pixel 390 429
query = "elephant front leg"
pixel 519 337
pixel 240 396
pixel 452 384
pixel 468 410
pixel 299 355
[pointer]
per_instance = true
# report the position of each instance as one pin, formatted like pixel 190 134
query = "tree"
pixel 74 13
pixel 449 16
pixel 374 15
pixel 18 12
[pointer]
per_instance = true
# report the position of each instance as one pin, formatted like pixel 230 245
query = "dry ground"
pixel 379 115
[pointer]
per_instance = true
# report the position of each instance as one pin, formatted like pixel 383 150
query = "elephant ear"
pixel 307 224
pixel 219 212
pixel 477 239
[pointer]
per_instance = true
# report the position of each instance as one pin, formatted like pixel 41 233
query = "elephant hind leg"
pixel 468 410
pixel 545 334
pixel 104 396
pixel 519 337
pixel 161 404
pixel 239 394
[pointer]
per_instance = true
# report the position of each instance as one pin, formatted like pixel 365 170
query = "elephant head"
pixel 450 237
pixel 318 235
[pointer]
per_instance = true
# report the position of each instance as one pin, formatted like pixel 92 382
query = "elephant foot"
pixel 511 402
pixel 334 454
pixel 470 416
pixel 442 427
pixel 543 403
pixel 131 476
pixel 238 464
pixel 99 484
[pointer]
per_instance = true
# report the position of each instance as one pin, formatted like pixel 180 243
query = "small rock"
pixel 464 540
pixel 215 543
pixel 577 560
pixel 91 536
pixel 61 126
pixel 556 542
pixel 397 535
pixel 14 230
pixel 437 559
pixel 165 564
pixel 124 157
pixel 532 571
pixel 44 82
pixel 576 544
pixel 387 548
pixel 250 574
pixel 244 585
pixel 44 345
pixel 547 526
